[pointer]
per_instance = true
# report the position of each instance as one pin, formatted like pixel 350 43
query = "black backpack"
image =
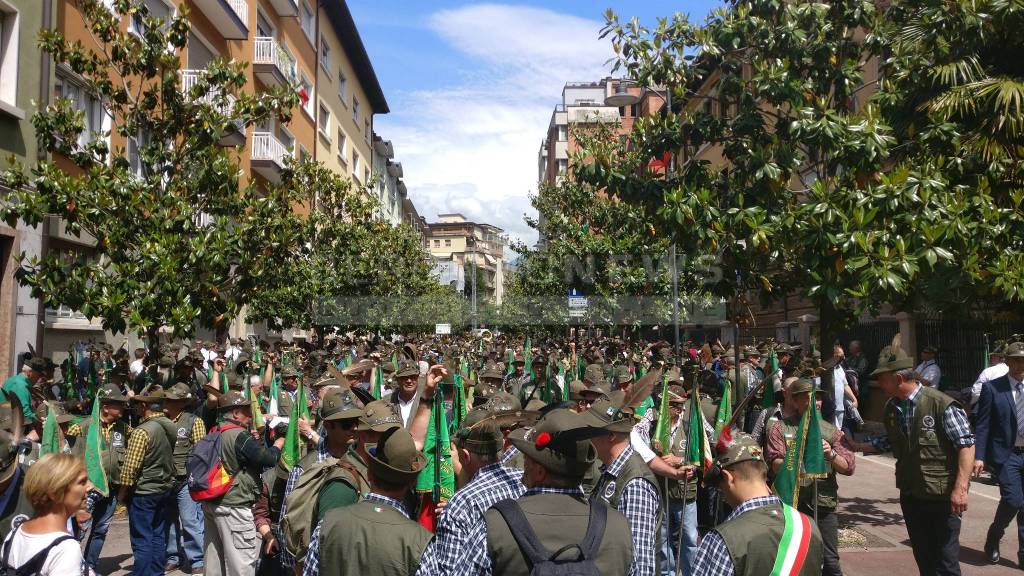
pixel 34 564
pixel 542 562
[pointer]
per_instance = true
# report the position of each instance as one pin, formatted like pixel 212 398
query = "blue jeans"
pixel 185 530
pixel 147 528
pixel 678 517
pixel 102 514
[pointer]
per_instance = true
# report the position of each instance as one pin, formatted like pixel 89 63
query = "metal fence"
pixel 961 345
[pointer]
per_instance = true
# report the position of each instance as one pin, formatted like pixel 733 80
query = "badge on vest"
pixel 117 439
pixel 928 422
pixel 609 490
pixel 182 432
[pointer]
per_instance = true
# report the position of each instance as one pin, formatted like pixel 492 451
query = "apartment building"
pixel 285 42
pixel 389 189
pixel 455 244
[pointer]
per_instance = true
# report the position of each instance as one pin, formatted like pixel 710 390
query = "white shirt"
pixel 929 370
pixel 406 408
pixel 63 559
pixel 136 367
pixel 640 446
pixel 839 384
pixel 987 375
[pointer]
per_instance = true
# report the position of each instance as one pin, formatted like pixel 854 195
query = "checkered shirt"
pixel 312 567
pixel 713 556
pixel 476 560
pixel 954 423
pixel 492 484
pixel 287 560
pixel 639 503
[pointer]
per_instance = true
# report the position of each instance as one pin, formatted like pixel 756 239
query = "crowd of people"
pixel 475 454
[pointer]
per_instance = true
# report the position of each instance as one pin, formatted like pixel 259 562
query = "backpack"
pixel 34 564
pixel 303 501
pixel 542 562
pixel 207 476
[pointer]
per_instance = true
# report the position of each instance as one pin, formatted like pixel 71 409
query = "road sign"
pixel 577 302
pixel 442 329
pixel 577 313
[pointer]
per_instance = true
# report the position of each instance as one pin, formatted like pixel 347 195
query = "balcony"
pixel 395 169
pixel 286 7
pixel 271 63
pixel 230 17
pixel 234 135
pixel 268 156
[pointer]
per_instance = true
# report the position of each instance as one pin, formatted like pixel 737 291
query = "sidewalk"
pixel 869 504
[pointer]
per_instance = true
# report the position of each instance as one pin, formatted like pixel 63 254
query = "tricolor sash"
pixel 796 538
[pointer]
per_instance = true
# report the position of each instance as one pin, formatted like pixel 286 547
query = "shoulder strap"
pixel 355 474
pixel 524 535
pixel 5 566
pixel 35 563
pixel 595 529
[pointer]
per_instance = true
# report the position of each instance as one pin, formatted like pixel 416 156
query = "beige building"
pixel 455 244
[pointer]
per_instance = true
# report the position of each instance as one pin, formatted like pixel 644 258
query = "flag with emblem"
pixel 94 451
pixel 52 441
pixel 528 355
pixel 805 457
pixel 436 482
pixel 768 391
pixel 698 450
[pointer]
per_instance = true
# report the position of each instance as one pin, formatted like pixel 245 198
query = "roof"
pixel 341 18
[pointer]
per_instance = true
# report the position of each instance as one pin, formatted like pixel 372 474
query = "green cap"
pixel 606 415
pixel 407 368
pixel 742 448
pixel 339 405
pixel 478 436
pixel 1014 350
pixel 395 458
pixel 556 444
pixel 622 375
pixel 231 400
pixel 893 358
pixel 379 416
pixel 111 393
pixel 800 386
pixel 594 373
pixel 503 401
pixel 179 391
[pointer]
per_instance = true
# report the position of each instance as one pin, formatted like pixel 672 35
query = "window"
pixel 308 87
pixel 355 162
pixel 9 34
pixel 563 166
pixel 307 21
pixel 323 122
pixel 447 242
pixel 83 101
pixel 264 28
pixel 288 141
pixel 325 57
pixel 342 86
pixel 136 147
pixel 157 9
pixel 341 146
pixel 355 111
pixel 303 153
pixel 366 124
pixel 366 175
pixel 437 243
pixel 563 133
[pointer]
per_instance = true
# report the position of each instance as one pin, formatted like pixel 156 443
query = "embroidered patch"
pixel 182 432
pixel 610 411
pixel 609 490
pixel 117 438
pixel 928 421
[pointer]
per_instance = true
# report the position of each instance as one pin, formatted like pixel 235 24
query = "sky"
pixel 472 85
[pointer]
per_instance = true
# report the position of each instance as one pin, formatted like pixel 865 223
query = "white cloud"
pixel 471 147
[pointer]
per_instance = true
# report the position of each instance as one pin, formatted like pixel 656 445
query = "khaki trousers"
pixel 232 543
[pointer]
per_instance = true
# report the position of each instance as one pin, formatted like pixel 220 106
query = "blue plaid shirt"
pixel 312 567
pixel 713 556
pixel 492 484
pixel 954 423
pixel 287 560
pixel 477 561
pixel 640 503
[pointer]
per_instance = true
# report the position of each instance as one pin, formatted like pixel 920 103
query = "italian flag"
pixel 796 538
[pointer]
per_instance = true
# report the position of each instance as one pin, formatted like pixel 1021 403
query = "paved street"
pixel 870 507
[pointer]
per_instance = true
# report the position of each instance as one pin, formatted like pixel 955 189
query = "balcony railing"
pixel 270 54
pixel 189 79
pixel 267 148
pixel 241 9
pixel 229 17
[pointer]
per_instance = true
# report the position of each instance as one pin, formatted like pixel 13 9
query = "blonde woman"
pixel 56 486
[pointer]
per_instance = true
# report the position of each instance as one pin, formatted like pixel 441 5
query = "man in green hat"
pixel 534 387
pixel 340 416
pixel 116 432
pixel 20 385
pixel 485 482
pixel 626 483
pixel 761 535
pixel 1001 446
pixel 554 511
pixel 839 459
pixel 348 536
pixel 148 474
pixel 515 381
pixel 406 396
pixel 930 437
pixel 185 516
pixel 232 542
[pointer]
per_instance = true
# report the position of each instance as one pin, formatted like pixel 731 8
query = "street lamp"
pixel 622 97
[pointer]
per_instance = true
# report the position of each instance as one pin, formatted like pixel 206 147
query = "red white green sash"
pixel 796 538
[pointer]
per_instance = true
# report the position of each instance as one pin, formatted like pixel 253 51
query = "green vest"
pixel 183 441
pixel 18 507
pixel 351 537
pixel 679 489
pixel 246 488
pixel 113 451
pixel 558 520
pixel 926 461
pixel 156 474
pixel 828 488
pixel 753 541
pixel 610 488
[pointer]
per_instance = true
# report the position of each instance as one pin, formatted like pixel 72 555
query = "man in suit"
pixel 1000 441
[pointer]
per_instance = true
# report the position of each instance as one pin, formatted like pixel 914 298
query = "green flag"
pixel 805 457
pixel 438 476
pixel 663 430
pixel 52 441
pixel 94 451
pixel 698 450
pixel 768 391
pixel 458 401
pixel 292 451
pixel 984 361
pixel 528 355
pixel 511 360
pixel 378 382
pixel 724 408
